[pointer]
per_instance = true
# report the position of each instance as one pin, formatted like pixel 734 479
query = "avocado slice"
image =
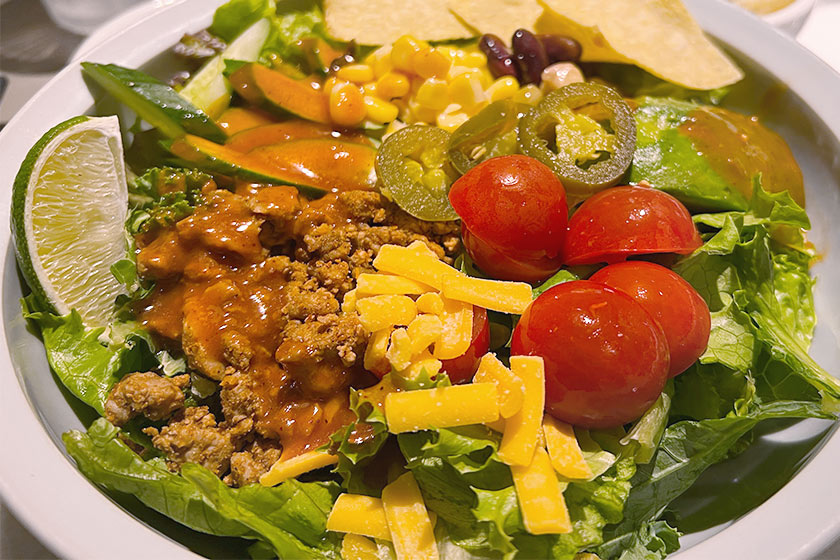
pixel 314 165
pixel 154 102
pixel 279 93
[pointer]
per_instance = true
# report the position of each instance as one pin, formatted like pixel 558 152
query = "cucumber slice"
pixel 154 102
pixel 208 88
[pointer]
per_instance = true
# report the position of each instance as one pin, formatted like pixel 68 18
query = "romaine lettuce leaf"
pixel 290 517
pixel 472 493
pixel 235 16
pixel 84 364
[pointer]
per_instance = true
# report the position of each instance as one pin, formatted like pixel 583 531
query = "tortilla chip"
pixel 657 35
pixel 499 17
pixel 380 22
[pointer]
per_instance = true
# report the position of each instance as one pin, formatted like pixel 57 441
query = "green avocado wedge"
pixel 314 165
pixel 154 102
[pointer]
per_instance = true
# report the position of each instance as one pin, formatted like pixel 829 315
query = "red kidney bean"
pixel 530 56
pixel 499 60
pixel 560 48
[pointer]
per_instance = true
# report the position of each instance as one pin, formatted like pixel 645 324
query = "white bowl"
pixel 792 17
pixel 76 520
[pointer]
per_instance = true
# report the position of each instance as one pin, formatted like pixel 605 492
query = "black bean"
pixel 560 48
pixel 529 55
pixel 499 60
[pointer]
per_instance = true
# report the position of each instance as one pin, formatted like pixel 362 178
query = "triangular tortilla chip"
pixel 380 22
pixel 657 35
pixel 499 17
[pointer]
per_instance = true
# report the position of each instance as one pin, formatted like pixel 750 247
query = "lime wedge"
pixel 69 206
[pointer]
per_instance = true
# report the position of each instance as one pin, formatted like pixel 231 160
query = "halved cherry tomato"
pixel 673 302
pixel 462 368
pixel 624 221
pixel 606 357
pixel 513 209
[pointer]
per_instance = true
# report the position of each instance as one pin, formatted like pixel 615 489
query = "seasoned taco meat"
pixel 154 396
pixel 249 287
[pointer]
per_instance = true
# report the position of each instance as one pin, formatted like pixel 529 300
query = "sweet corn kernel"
pixel 503 88
pixel 529 95
pixel 449 52
pixel 459 70
pixel 392 84
pixel 356 73
pixel 431 63
pixel 403 51
pixel 449 121
pixel 379 110
pixel 419 113
pixel 369 88
pixel 473 59
pixel 380 61
pixel 347 105
pixel 330 83
pixel 433 94
pixel 466 90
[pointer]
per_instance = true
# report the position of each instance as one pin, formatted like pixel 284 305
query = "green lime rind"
pixel 19 191
pixel 154 102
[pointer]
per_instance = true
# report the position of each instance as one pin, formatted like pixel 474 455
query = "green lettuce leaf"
pixel 235 16
pixel 291 517
pixel 653 541
pixel 81 358
pixel 472 493
pixel 687 449
pixel 358 443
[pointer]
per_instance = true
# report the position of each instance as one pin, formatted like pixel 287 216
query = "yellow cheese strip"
pixel 357 547
pixel 420 362
pixel 379 312
pixel 456 334
pixel 348 304
pixel 444 407
pixel 563 448
pixel 430 302
pixel 523 428
pixel 507 297
pixel 415 264
pixel 421 248
pixel 424 331
pixel 379 284
pixel 540 496
pixel 400 349
pixel 498 425
pixel 511 388
pixel 360 515
pixel 375 359
pixel 290 468
pixel 408 520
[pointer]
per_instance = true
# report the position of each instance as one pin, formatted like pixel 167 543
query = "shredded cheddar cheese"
pixel 290 468
pixel 443 407
pixel 522 430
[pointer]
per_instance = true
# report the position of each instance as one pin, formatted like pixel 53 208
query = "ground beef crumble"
pixel 249 287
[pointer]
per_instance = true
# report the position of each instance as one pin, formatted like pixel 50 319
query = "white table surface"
pixel 821 34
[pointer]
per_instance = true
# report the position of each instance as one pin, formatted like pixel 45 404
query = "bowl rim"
pixel 103 531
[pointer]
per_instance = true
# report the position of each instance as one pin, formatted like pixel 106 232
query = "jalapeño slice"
pixel 490 133
pixel 585 132
pixel 415 172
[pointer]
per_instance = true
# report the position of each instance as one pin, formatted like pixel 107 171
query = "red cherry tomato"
pixel 462 368
pixel 606 358
pixel 673 302
pixel 624 221
pixel 513 211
